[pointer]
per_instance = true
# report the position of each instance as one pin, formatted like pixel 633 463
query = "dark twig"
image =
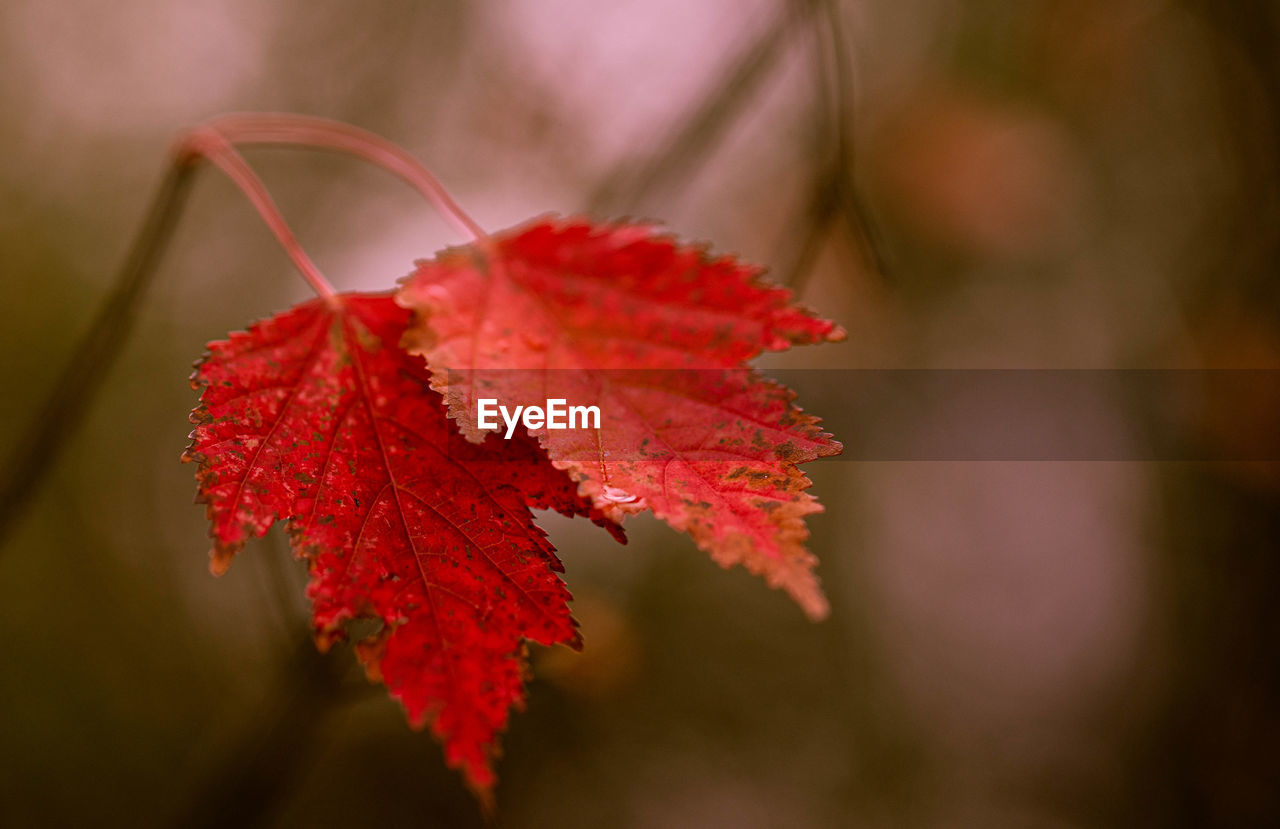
pixel 69 402
pixel 261 767
pixel 862 231
pixel 688 145
pixel 279 589
pixel 833 193
pixel 803 241
pixel 887 758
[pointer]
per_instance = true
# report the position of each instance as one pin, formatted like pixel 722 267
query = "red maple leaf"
pixel 318 417
pixel 569 309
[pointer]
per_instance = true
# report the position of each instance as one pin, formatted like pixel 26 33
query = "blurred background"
pixel 1043 184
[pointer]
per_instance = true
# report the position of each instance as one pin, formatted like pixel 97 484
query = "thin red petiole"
pixel 207 142
pixel 321 133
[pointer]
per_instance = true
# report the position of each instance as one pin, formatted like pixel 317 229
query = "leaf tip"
pixel 220 560
pixel 816 606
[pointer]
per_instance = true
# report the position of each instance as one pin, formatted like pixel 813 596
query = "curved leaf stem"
pixel 246 128
pixel 208 142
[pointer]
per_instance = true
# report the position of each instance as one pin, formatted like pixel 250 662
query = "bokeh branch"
pixel 833 192
pixel 692 142
pixel 77 387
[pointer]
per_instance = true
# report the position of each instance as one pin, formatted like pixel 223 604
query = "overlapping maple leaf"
pixel 318 417
pixel 657 335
